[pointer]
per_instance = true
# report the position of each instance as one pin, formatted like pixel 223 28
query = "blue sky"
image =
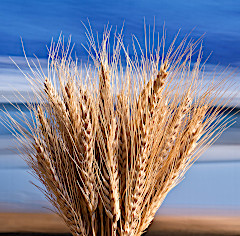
pixel 38 21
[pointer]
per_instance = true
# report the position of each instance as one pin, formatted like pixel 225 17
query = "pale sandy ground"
pixel 51 224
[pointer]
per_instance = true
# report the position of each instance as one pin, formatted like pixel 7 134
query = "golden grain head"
pixel 109 144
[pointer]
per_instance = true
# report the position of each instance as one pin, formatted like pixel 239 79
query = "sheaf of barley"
pixel 109 140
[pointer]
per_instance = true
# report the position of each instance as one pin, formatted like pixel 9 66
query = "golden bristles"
pixel 110 140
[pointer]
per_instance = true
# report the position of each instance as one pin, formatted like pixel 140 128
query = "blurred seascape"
pixel 212 185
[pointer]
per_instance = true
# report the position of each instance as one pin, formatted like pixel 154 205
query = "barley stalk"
pixel 109 142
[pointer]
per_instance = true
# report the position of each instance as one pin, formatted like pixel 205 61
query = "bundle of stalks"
pixel 109 142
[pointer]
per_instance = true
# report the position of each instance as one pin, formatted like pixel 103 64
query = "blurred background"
pixel 212 185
